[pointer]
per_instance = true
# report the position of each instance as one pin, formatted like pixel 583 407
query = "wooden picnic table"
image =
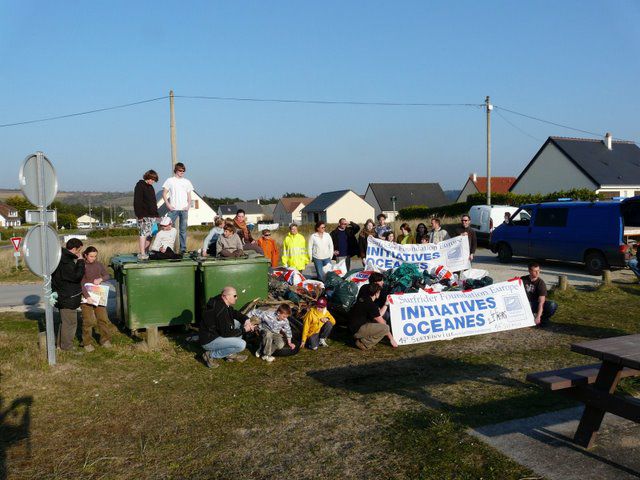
pixel 617 354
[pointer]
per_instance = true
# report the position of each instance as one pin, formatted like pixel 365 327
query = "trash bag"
pixel 344 296
pixel 472 284
pixel 332 280
pixel 404 277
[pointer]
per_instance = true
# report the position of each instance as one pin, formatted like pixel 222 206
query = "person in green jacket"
pixel 294 249
pixel 405 235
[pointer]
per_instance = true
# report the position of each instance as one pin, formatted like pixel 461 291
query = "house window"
pixel 610 195
pixel 551 217
pixel 637 192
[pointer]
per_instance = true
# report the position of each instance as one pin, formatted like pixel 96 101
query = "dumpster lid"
pixel 233 261
pixel 131 261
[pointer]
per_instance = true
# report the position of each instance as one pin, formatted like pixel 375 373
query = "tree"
pixel 293 195
pixel 21 204
pixel 67 220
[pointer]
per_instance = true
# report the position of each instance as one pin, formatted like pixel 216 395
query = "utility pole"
pixel 174 146
pixel 489 108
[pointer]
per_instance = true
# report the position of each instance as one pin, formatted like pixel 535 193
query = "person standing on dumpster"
pixel 176 193
pixel 221 329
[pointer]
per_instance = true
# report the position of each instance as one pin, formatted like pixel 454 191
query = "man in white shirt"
pixel 176 192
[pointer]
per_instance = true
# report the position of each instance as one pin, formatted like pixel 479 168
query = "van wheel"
pixel 504 253
pixel 595 263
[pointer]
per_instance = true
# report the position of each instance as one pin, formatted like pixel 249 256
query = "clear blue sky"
pixel 571 62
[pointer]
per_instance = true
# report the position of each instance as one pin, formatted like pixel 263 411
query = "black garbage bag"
pixel 332 280
pixel 471 284
pixel 344 296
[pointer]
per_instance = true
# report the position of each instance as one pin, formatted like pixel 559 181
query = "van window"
pixel 522 217
pixel 551 217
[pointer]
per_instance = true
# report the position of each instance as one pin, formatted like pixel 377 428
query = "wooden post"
pixel 563 282
pixel 606 277
pixel 42 342
pixel 172 126
pixel 153 337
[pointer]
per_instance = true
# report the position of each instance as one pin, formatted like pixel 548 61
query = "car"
pixel 484 218
pixel 589 232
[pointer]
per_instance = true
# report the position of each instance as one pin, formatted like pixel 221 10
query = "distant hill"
pixel 121 199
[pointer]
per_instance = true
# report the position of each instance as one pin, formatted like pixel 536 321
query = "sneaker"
pixel 208 361
pixel 268 358
pixel 89 348
pixel 107 344
pixel 257 354
pixel 314 348
pixel 323 343
pixel 235 357
pixel 143 256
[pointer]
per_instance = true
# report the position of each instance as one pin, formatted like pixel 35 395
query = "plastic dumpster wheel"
pixel 595 263
pixel 504 253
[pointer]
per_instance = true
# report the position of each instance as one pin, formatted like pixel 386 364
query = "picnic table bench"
pixel 595 385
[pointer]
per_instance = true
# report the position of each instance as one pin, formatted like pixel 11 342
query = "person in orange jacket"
pixel 269 247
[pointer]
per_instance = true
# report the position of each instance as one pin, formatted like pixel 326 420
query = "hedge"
pixel 113 232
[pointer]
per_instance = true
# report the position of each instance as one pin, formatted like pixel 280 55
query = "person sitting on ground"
pixel 317 326
pixel 366 320
pixel 269 247
pixel 320 248
pixel 376 278
pixel 437 234
pixel 633 262
pixel 466 230
pixel 422 234
pixel 66 283
pixel 209 245
pixel 369 230
pixel 165 239
pixel 221 329
pixel 229 243
pixel 536 289
pixel 94 316
pixel 345 244
pixel 294 249
pixel 274 328
pixel 405 234
pixel 382 226
pixel 248 243
pixel 389 237
pixel 146 210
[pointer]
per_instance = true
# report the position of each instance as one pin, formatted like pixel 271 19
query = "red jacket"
pixel 270 249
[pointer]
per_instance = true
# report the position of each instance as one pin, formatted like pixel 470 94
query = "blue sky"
pixel 570 62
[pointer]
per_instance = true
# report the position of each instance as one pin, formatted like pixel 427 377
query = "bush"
pixel 113 232
pixel 67 220
pixel 412 213
pixel 7 232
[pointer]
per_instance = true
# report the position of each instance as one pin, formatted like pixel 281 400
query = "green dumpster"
pixel 249 276
pixel 156 293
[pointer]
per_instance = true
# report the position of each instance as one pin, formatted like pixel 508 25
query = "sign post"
pixel 15 241
pixel 41 246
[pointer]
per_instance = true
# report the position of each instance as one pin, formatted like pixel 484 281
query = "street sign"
pixel 36 256
pixel 16 242
pixel 33 216
pixel 38 180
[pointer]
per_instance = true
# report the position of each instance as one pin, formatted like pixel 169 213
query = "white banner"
pixel 268 226
pixel 452 253
pixel 426 317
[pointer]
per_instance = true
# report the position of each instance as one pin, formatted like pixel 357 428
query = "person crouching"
pixel 274 328
pixel 317 325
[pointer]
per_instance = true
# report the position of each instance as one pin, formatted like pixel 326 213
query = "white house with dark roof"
pixel 9 216
pixel 609 167
pixel 406 195
pixel 200 213
pixel 332 206
pixel 253 211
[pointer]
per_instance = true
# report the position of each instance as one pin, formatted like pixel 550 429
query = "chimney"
pixel 608 140
pixel 474 177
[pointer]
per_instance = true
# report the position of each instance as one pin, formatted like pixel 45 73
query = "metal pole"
pixel 174 146
pixel 46 286
pixel 489 108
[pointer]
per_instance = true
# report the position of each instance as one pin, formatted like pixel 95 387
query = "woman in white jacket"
pixel 320 248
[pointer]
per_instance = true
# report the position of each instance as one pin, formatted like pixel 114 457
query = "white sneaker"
pixel 268 358
pixel 323 343
pixel 257 353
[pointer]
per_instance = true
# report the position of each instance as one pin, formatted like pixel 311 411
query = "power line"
pixel 517 127
pixel 77 114
pixel 549 122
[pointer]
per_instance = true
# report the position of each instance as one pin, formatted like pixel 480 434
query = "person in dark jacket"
pixel 66 282
pixel 146 210
pixel 345 243
pixel 221 329
pixel 465 229
pixel 422 233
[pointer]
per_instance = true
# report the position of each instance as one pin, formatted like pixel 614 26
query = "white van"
pixel 484 218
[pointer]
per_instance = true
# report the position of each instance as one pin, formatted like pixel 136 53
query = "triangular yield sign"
pixel 16 242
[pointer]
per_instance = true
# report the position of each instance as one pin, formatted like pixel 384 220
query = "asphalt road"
pixel 30 294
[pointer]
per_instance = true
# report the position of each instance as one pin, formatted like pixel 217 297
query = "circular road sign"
pixel 37 257
pixel 38 180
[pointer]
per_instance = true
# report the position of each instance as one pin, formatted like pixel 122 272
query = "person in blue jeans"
pixel 536 289
pixel 320 248
pixel 176 193
pixel 633 263
pixel 221 329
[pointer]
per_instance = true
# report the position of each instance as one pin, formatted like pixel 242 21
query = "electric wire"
pixel 517 127
pixel 549 122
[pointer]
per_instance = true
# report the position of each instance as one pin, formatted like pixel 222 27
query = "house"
pixel 476 184
pixel 608 167
pixel 332 206
pixel 267 211
pixel 200 213
pixel 9 216
pixel 253 211
pixel 289 210
pixel 382 195
pixel 87 221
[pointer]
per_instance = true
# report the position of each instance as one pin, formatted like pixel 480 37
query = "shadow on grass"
pixel 586 331
pixel 630 290
pixel 15 426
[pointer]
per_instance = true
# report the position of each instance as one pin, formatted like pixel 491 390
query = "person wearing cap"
pixel 317 325
pixel 164 240
pixel 269 247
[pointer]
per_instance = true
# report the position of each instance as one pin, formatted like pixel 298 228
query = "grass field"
pixel 336 413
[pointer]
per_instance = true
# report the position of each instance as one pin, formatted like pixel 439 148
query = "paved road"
pixel 29 294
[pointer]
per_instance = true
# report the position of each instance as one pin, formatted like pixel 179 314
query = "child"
pixel 165 239
pixel 389 237
pixel 318 323
pixel 269 247
pixel 210 241
pixel 94 316
pixel 272 326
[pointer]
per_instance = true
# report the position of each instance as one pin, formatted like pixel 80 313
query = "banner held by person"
pixel 426 317
pixel 452 253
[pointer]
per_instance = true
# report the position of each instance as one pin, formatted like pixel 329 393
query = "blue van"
pixel 588 232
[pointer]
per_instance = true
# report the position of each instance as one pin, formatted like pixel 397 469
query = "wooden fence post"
pixel 563 282
pixel 606 277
